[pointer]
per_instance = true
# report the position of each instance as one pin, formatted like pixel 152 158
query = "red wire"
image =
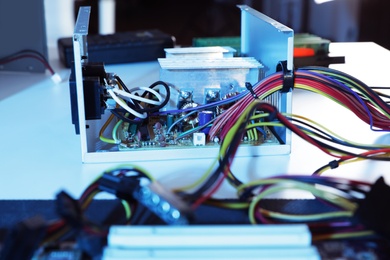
pixel 225 121
pixel 22 56
pixel 368 153
pixel 218 184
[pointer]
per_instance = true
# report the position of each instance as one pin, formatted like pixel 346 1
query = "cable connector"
pixel 69 209
pixel 374 210
pixel 334 164
pixel 120 186
pixel 163 203
pixel 56 78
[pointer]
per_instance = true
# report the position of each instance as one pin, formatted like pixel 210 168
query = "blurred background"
pixel 336 20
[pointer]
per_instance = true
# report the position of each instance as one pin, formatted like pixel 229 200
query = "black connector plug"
pixel 122 187
pixel 69 209
pixel 94 76
pixel 156 199
pixel 374 210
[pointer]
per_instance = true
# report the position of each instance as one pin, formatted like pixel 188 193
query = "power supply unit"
pixel 170 119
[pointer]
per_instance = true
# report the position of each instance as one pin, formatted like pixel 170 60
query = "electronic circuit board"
pixel 181 111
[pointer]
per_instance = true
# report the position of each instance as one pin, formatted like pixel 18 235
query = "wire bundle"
pixel 335 85
pixel 138 106
pixel 74 221
pixel 338 195
pixel 132 107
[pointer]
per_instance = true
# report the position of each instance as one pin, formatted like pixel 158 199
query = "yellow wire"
pixel 127 209
pixel 223 148
pixel 340 163
pixel 373 146
pixel 229 205
pixel 343 235
pixel 307 217
pixel 88 200
pixel 103 128
pixel 334 134
pixel 199 181
pixel 312 89
pixel 55 237
pixel 115 131
pixel 250 134
pixel 347 82
pixel 348 205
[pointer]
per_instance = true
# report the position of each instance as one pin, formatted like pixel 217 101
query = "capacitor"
pixel 205 118
pixel 169 120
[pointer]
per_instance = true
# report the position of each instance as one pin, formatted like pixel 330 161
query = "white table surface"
pixel 40 152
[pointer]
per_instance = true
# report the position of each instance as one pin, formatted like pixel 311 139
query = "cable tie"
pixel 333 164
pixel 249 87
pixel 288 76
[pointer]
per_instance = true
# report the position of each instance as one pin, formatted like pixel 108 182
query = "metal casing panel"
pixel 270 42
pixel 265 39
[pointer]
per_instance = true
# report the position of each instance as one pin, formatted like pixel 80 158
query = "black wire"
pixel 310 179
pixel 118 112
pixel 122 83
pixel 383 95
pixel 324 145
pixel 233 179
pixel 223 162
pixel 166 100
pixel 135 104
pixel 335 165
pixel 128 170
pixel 329 147
pixel 339 83
pixel 330 138
pixel 338 75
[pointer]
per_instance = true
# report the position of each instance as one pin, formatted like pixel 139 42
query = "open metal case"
pixel 262 38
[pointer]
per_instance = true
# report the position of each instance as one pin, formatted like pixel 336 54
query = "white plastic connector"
pixel 207 236
pixel 199 139
pixel 56 78
pixel 207 242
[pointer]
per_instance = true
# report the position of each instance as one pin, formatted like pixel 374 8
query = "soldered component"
pixel 204 118
pixel 212 95
pixel 193 118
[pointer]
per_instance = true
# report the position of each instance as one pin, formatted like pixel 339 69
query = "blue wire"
pixel 348 89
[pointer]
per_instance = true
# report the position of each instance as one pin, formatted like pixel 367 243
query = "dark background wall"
pixel 375 22
pixel 182 19
pixel 208 18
